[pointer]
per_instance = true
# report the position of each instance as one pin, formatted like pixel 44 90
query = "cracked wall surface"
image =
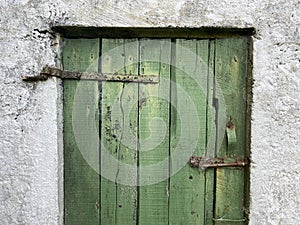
pixel 30 121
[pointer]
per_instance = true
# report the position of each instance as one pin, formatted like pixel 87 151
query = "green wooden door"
pixel 127 144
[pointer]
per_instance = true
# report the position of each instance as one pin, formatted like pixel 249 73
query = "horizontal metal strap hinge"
pixel 207 162
pixel 230 220
pixel 64 74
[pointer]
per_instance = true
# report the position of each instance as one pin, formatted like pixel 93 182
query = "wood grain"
pixel 81 182
pixel 231 75
pixel 187 186
pixel 154 132
pixel 118 201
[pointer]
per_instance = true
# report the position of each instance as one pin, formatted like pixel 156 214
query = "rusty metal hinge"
pixel 230 220
pixel 207 162
pixel 64 74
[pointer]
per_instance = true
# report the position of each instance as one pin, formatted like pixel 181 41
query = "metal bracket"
pixel 230 220
pixel 207 162
pixel 64 74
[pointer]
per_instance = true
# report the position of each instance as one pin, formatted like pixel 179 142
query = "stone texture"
pixel 30 120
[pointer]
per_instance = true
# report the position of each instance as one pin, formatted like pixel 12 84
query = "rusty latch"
pixel 207 162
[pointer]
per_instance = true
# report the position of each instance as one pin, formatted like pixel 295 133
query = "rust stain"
pixel 230 123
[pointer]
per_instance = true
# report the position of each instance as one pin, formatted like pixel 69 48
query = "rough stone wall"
pixel 29 113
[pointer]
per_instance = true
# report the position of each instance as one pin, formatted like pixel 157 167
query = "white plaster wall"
pixel 30 125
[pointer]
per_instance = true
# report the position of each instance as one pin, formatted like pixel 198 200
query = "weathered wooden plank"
pixel 81 182
pixel 118 201
pixel 154 136
pixel 127 194
pixel 210 135
pixel 231 75
pixel 109 138
pixel 187 186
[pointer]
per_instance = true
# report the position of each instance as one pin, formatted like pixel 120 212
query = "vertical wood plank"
pixel 111 62
pixel 81 182
pixel 187 186
pixel 231 75
pixel 127 195
pixel 118 201
pixel 210 136
pixel 154 132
